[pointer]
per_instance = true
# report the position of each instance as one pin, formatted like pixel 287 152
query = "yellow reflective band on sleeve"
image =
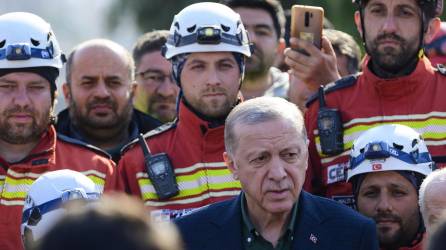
pixel 195 184
pixel 97 180
pixel 433 129
pixel 16 188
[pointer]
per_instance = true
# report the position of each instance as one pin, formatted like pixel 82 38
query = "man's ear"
pixel 66 93
pixel 231 165
pixel 432 29
pixel 358 22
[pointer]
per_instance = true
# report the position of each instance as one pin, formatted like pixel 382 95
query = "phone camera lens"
pixel 307 19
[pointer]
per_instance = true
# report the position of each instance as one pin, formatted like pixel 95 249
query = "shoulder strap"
pixel 159 130
pixel 342 83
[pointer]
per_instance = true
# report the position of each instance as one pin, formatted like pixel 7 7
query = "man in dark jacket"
pixel 266 150
pixel 99 93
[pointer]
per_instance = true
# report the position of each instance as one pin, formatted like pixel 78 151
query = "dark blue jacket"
pixel 320 224
pixel 139 123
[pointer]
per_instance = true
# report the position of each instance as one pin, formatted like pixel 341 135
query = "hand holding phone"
pixel 306 23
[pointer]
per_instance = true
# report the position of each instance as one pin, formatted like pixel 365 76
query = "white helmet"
pixel 43 203
pixel 207 27
pixel 388 148
pixel 26 41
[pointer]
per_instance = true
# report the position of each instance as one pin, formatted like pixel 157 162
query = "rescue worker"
pixel 30 60
pixel 398 84
pixel 207 46
pixel 387 166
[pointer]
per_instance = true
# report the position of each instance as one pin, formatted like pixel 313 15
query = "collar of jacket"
pixel 45 147
pixel 140 123
pixel 196 126
pixel 402 85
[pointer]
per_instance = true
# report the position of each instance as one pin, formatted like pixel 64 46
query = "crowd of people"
pixel 223 126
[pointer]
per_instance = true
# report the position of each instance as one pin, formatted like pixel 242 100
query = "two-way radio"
pixel 160 171
pixel 330 127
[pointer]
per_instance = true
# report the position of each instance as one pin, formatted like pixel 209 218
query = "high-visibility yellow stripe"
pixel 97 180
pixel 425 128
pixel 198 190
pixel 14 195
pixel 380 119
pixel 16 182
pixel 191 177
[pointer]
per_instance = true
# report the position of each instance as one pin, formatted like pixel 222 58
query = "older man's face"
pixel 270 160
pixel 435 205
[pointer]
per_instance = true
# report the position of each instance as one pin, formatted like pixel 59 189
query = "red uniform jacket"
pixel 195 148
pixel 51 153
pixel 416 100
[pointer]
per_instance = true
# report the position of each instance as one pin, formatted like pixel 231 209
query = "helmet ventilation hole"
pixel 35 42
pixel 191 29
pixel 397 146
pixel 225 28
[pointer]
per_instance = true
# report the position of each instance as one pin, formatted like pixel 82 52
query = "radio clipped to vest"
pixel 160 171
pixel 330 127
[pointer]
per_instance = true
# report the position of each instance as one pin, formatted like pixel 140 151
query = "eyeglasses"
pixel 155 77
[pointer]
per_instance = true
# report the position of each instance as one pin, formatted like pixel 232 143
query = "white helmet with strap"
pixel 389 148
pixel 207 27
pixel 27 41
pixel 46 196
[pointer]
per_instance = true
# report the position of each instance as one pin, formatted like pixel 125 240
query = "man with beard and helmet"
pixel 182 167
pixel 387 166
pixel 99 93
pixel 398 84
pixel 30 60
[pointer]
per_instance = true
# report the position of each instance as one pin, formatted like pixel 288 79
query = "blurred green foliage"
pixel 158 14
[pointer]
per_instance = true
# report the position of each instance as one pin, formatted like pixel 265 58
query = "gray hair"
pixel 436 177
pixel 258 110
pixel 104 43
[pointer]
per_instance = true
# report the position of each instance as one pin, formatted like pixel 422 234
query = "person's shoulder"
pixel 71 142
pixel 154 133
pixel 144 121
pixel 334 209
pixel 341 84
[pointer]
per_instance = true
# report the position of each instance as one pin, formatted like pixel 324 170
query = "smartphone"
pixel 306 23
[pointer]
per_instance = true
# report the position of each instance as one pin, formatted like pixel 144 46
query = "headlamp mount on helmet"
pixel 23 51
pixel 389 147
pixel 381 150
pixel 205 35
